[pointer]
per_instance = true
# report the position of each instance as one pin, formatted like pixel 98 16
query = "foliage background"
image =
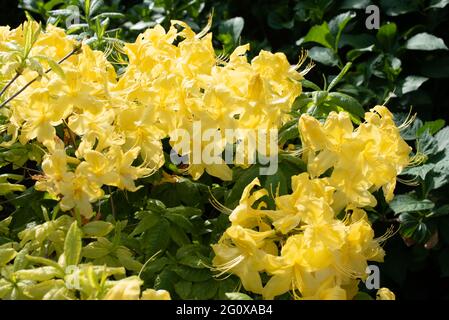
pixel 386 63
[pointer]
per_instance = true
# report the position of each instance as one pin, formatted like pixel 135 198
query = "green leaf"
pixel 338 78
pixel 289 131
pixel 425 41
pixel 56 68
pixel 178 235
pixel 97 228
pixel 180 221
pixel 204 290
pixel 427 144
pixel 442 138
pixel 148 221
pixel 73 245
pixel 347 103
pixel 4 225
pixel 183 289
pixel 192 249
pixel 338 24
pixel 39 274
pixel 432 127
pixel 280 19
pixel 184 211
pixel 277 182
pixel 310 85
pixel 233 27
pixel 440 173
pixel 21 262
pixel 238 296
pixel 355 53
pixel 438 3
pixel 419 171
pixel 355 4
pixel 242 180
pixel 155 206
pixel 126 259
pixel 192 274
pixel 6 188
pixel 409 203
pixel 166 280
pixel 325 56
pixel 39 290
pixel 412 83
pixel 111 15
pixel 193 261
pixel 319 34
pixel 155 266
pixel 6 255
pixel 386 35
pixel 399 7
pixel 156 238
pixel 43 261
pixel 97 249
pixel 362 296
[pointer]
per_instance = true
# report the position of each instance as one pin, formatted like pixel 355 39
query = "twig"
pixel 74 51
pixel 10 82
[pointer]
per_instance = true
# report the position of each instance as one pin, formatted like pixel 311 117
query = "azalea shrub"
pixel 133 167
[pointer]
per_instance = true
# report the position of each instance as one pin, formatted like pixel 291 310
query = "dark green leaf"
pixel 425 41
pixel 347 103
pixel 386 35
pixel 409 203
pixel 192 274
pixel 156 238
pixel 325 56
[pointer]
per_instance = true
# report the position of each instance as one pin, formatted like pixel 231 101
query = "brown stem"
pixel 10 82
pixel 74 51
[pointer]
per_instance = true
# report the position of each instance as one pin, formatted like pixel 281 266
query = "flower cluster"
pixel 102 128
pixel 318 239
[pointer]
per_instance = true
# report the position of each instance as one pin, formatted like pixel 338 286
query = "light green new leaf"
pixel 39 274
pixel 97 228
pixel 337 79
pixel 238 296
pixel 319 34
pixel 73 245
pixel 6 255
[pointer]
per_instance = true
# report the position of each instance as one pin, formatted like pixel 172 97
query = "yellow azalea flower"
pixel 127 173
pixel 54 43
pixel 239 251
pixel 309 203
pixel 244 214
pixel 40 117
pixel 95 130
pixel 129 289
pixel 151 294
pixel 137 125
pixel 97 167
pixel 320 256
pixel 385 294
pixel 363 159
